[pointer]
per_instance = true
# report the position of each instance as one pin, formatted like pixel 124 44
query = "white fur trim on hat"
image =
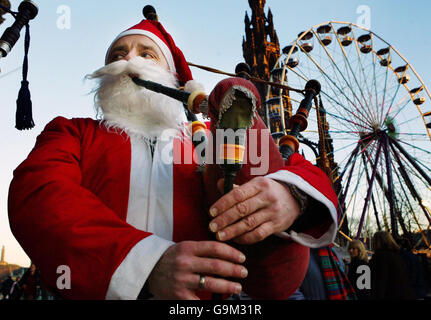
pixel 163 47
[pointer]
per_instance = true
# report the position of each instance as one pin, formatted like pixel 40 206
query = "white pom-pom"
pixel 193 85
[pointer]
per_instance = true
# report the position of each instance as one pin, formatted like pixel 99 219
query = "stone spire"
pixel 2 254
pixel 260 45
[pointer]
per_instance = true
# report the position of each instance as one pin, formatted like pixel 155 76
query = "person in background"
pixel 358 257
pixel 31 283
pixel 16 290
pixel 6 286
pixel 389 274
pixel 414 267
pixel 325 278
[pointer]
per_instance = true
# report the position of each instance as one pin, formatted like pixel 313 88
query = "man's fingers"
pixel 219 250
pixel 216 285
pixel 244 226
pixel 237 212
pixel 256 235
pixel 237 195
pixel 218 268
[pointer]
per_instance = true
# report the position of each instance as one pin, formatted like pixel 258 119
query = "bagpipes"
pixel 27 11
pixel 232 108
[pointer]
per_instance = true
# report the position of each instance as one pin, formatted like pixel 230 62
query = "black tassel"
pixel 24 114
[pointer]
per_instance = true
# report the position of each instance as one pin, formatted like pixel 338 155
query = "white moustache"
pixel 134 109
pixel 142 68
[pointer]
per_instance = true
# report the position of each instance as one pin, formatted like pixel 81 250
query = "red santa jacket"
pixel 106 205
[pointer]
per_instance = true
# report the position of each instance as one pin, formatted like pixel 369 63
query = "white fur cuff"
pixel 193 85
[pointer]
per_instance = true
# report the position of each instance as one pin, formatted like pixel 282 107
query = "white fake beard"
pixel 134 109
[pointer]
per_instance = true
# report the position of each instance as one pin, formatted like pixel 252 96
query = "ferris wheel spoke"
pixel 393 98
pixel 376 215
pixel 412 211
pixel 390 183
pixel 410 170
pixel 334 65
pixel 413 172
pixel 364 77
pixel 349 67
pixel 375 77
pixel 352 159
pixel 367 199
pixel 415 147
pixel 345 119
pixel 372 195
pixel 405 104
pixel 407 121
pixel 347 185
pixel 395 143
pixel 408 181
pixel 384 92
pixel 303 77
pixel 333 83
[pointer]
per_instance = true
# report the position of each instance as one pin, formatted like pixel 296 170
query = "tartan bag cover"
pixel 337 284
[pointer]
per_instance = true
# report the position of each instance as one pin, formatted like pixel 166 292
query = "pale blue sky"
pixel 209 33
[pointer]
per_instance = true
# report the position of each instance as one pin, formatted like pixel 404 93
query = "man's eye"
pixel 117 56
pixel 147 55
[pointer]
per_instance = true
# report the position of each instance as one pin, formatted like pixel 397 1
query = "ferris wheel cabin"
pixel 345 34
pixel 325 34
pixel 384 55
pixel 293 59
pixel 417 95
pixel 365 43
pixel 306 43
pixel 402 74
pixel 427 118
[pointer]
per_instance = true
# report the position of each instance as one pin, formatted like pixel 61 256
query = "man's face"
pixel 132 46
pixel 129 107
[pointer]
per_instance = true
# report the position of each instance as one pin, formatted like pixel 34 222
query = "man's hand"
pixel 177 274
pixel 252 212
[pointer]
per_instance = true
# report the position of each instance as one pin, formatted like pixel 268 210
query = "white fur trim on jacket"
pixel 302 238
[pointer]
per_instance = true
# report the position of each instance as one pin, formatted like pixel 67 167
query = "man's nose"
pixel 131 54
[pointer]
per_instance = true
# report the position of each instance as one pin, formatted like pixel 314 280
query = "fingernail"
pixel 213 212
pixel 221 235
pixel 244 273
pixel 238 288
pixel 241 258
pixel 213 227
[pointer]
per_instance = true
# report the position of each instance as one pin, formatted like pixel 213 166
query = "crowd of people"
pixel 396 272
pixel 27 287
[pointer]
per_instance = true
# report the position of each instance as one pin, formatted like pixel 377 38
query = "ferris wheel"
pixel 371 128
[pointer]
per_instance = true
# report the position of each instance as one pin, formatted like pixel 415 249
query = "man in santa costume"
pixel 98 197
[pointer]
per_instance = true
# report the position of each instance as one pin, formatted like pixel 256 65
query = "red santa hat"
pixel 174 56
